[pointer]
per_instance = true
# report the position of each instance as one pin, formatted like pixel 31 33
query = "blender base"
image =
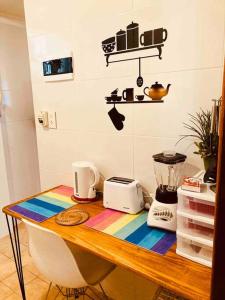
pixel 163 215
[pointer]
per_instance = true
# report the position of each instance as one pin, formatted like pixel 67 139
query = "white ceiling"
pixel 13 8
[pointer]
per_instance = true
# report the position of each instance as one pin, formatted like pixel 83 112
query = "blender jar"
pixel 168 167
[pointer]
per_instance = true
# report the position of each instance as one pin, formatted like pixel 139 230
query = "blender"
pixel 168 170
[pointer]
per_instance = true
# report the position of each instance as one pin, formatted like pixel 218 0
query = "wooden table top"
pixel 172 271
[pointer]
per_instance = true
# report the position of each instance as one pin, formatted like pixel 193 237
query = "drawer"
pixel 196 206
pixel 190 225
pixel 190 248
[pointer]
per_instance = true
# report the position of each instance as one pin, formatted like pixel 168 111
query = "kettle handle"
pixel 97 175
pixel 144 91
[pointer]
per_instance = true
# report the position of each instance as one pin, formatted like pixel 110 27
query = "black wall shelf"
pixel 158 46
pixel 134 102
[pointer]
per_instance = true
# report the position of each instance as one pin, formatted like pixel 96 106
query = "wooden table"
pixel 172 271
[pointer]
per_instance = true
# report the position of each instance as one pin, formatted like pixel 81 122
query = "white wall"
pixel 18 136
pixel 4 186
pixel 192 62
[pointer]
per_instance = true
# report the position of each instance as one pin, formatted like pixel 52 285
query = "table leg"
pixel 15 243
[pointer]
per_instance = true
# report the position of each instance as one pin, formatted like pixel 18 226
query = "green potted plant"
pixel 205 140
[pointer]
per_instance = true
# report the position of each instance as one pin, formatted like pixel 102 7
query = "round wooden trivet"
pixel 71 217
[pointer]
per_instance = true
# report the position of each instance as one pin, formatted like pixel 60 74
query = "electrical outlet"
pixel 43 118
pixel 52 120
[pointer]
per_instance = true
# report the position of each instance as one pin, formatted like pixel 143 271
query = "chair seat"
pixel 93 268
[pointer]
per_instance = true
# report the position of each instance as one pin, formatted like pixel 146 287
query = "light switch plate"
pixel 44 118
pixel 52 120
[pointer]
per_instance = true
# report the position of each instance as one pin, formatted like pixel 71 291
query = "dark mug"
pixel 160 35
pixel 146 38
pixel 129 94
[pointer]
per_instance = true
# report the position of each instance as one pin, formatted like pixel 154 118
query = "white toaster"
pixel 123 194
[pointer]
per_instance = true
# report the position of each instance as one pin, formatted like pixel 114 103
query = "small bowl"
pixel 139 97
pixel 116 98
pixel 108 45
pixel 108 99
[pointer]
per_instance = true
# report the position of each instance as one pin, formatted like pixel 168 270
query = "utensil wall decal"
pixel 139 79
pixel 126 42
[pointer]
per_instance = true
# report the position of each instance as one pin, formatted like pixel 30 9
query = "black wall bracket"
pixel 134 102
pixel 159 55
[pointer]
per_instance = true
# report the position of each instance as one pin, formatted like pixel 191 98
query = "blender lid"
pixel 169 157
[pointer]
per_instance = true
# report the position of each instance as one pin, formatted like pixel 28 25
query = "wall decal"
pixel 132 35
pixel 128 41
pixel 128 94
pixel 108 45
pixel 129 98
pixel 139 97
pixel 116 118
pixel 157 91
pixel 140 79
pixel 114 96
pixel 121 40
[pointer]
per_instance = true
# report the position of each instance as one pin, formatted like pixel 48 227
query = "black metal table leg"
pixel 15 243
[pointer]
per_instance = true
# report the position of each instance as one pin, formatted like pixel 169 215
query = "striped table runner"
pixel 45 205
pixel 133 229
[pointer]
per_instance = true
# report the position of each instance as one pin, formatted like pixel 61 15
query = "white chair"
pixel 63 264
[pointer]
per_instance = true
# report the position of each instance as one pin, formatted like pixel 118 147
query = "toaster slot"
pixel 120 180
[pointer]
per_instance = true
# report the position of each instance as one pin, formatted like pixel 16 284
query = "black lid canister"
pixel 121 40
pixel 132 35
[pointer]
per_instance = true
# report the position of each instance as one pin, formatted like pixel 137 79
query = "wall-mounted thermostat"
pixel 58 69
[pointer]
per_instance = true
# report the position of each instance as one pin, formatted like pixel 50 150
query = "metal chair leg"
pixel 81 292
pixel 49 287
pixel 101 287
pixel 15 243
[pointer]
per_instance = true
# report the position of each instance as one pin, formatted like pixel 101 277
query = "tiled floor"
pixel 35 283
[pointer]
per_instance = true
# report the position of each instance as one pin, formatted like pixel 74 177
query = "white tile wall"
pixel 192 61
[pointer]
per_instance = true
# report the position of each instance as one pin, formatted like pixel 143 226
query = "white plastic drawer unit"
pixel 191 248
pixel 196 226
pixel 201 204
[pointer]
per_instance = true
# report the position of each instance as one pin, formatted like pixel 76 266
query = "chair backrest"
pixel 53 257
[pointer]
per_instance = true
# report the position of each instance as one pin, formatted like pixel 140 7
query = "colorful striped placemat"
pixel 133 229
pixel 45 205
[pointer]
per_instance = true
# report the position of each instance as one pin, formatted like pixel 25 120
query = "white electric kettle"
pixel 85 178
